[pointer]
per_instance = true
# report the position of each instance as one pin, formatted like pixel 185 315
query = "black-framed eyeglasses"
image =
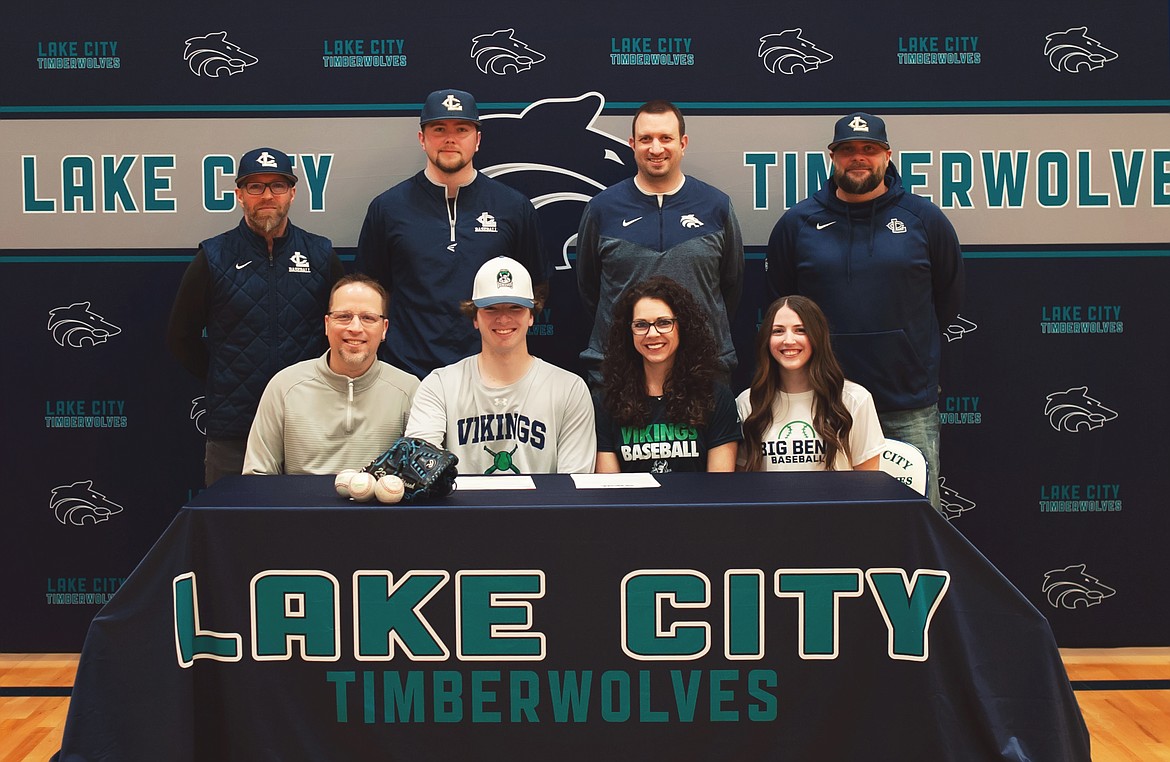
pixel 343 317
pixel 662 325
pixel 278 188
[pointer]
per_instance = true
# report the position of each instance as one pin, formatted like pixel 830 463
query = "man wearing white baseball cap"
pixel 504 411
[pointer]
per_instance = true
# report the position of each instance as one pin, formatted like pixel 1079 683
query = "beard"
pixel 266 221
pixel 859 187
pixel 450 164
pixel 350 362
pixel 354 357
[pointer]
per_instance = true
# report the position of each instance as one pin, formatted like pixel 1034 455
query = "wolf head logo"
pixel 1072 588
pixel 960 328
pixel 212 55
pixel 789 53
pixel 76 326
pixel 559 179
pixel 501 53
pixel 952 503
pixel 1074 410
pixel 198 412
pixel 1073 50
pixel 79 504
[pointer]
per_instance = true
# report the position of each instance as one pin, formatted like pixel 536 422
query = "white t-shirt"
pixel 542 424
pixel 792 444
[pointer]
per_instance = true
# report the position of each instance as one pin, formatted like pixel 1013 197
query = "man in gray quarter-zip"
pixel 340 410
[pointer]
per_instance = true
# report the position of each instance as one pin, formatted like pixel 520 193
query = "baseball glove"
pixel 426 471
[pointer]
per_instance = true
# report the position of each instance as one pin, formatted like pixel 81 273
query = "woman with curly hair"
pixel 662 408
pixel 800 413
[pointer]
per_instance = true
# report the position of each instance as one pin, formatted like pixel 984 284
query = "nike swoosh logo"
pixel 242 265
pixel 823 225
pixel 627 223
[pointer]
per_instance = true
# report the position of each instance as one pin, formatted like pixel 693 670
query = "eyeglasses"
pixel 345 318
pixel 278 188
pixel 662 325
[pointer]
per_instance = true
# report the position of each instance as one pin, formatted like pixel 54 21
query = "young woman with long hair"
pixel 801 414
pixel 663 408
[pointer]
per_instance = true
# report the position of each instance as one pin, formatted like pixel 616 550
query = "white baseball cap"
pixel 502 280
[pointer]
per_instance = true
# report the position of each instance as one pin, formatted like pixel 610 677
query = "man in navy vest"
pixel 260 291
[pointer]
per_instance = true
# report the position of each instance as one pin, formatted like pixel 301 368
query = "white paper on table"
pixel 494 482
pixel 615 481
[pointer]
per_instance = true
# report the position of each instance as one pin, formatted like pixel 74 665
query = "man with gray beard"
pixel 885 266
pixel 260 291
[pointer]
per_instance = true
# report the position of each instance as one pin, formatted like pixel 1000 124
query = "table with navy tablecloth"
pixel 806 616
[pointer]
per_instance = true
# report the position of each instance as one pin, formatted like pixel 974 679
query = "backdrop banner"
pixel 1042 131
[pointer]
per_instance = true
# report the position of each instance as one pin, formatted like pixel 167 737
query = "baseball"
pixel 361 486
pixel 341 481
pixel 389 489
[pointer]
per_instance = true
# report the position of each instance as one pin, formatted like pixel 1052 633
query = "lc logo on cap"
pixel 265 160
pixel 859 126
pixel 449 104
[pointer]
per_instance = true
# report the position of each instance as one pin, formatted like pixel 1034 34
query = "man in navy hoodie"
pixel 886 268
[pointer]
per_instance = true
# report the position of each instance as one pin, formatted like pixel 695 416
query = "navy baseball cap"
pixel 859 126
pixel 261 161
pixel 449 104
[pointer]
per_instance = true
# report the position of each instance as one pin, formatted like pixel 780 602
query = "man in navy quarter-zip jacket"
pixel 425 238
pixel 260 290
pixel 659 222
pixel 886 268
